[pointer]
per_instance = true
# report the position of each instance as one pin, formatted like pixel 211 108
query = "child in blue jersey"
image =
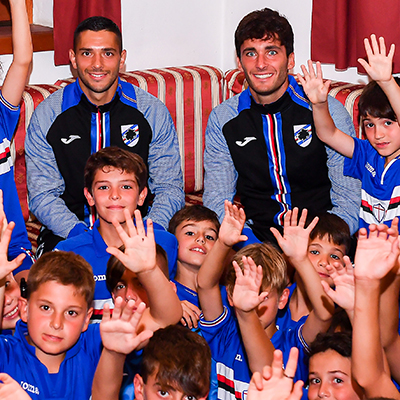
pixel 176 365
pixel 328 244
pixel 53 352
pixel 375 161
pixel 196 229
pixel 10 97
pixel 237 352
pixel 115 180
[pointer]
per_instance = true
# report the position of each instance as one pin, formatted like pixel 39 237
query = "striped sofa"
pixel 190 93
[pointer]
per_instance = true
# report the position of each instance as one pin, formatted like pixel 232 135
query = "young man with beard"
pixel 97 111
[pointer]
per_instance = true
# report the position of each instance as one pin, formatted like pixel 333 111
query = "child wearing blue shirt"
pixel 115 179
pixel 374 161
pixel 246 343
pixel 10 97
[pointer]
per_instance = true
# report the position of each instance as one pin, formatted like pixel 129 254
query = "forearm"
pixel 108 376
pixel 163 303
pixel 321 303
pixel 18 72
pixel 367 354
pixel 259 348
pixel 392 91
pixel 2 292
pixel 345 191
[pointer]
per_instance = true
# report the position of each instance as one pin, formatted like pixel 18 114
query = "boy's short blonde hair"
pixel 272 263
pixel 65 268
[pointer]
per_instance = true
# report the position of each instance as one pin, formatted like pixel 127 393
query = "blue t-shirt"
pixel 74 379
pixel 227 349
pixel 380 185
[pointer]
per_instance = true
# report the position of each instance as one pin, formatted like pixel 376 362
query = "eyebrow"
pixel 102 48
pixel 122 181
pixel 189 225
pixel 269 47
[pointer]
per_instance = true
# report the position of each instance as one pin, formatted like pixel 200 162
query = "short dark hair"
pixel 374 102
pixel 195 213
pixel 115 268
pixel 65 268
pixel 180 358
pixel 265 23
pixel 337 341
pixel 335 228
pixel 97 24
pixel 273 267
pixel 118 158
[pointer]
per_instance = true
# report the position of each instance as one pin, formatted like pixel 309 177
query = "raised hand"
pixel 140 248
pixel 294 241
pixel 343 278
pixel 5 236
pixel 232 225
pixel 11 389
pixel 314 86
pixel 379 65
pixel 377 253
pixel 246 296
pixel 119 333
pixel 276 383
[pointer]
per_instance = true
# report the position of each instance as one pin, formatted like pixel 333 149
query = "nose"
pixel 201 239
pixel 323 390
pixel 57 321
pixel 323 260
pixel 261 62
pixel 97 61
pixel 130 294
pixel 379 132
pixel 114 194
pixel 7 299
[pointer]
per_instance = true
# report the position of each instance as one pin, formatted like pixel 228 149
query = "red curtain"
pixel 340 26
pixel 67 14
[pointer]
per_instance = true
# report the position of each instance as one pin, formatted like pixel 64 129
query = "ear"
pixel 230 301
pixel 122 61
pixel 291 62
pixel 239 64
pixel 23 312
pixel 89 197
pixel 72 58
pixel 283 299
pixel 142 197
pixel 138 385
pixel 87 319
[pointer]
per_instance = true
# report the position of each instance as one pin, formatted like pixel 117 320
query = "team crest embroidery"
pixel 379 212
pixel 302 134
pixel 130 134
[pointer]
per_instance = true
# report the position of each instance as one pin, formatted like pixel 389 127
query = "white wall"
pixel 161 33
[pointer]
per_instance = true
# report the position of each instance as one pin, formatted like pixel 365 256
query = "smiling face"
pixel 195 240
pixel 12 303
pixel 98 60
pixel 56 315
pixel 384 136
pixel 114 190
pixel 330 377
pixel 265 65
pixel 323 252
